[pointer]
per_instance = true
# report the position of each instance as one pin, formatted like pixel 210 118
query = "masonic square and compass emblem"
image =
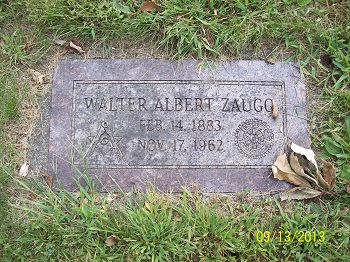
pixel 104 148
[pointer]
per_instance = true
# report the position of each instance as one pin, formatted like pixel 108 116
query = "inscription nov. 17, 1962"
pixel 217 134
pixel 176 124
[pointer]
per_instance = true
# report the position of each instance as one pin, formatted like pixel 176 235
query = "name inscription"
pixel 177 104
pixel 174 124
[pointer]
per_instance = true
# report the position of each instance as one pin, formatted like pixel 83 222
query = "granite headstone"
pixel 137 122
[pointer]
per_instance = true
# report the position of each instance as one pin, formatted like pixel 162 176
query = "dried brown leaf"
pixel 148 6
pixel 270 60
pixel 309 168
pixel 60 42
pixel 298 169
pixel 345 211
pixel 308 153
pixel 32 196
pixel 75 47
pixel 322 182
pixel 274 109
pixel 38 77
pixel 109 198
pixel 23 171
pixel 76 194
pixel 97 198
pixel 283 171
pixel 329 174
pixel 299 193
pixel 49 181
pixel 348 188
pixel 112 240
pixel 48 178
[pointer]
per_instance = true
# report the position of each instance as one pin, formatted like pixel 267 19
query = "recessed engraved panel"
pixel 177 124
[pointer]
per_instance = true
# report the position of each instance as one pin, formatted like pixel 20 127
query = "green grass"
pixel 9 102
pixel 59 226
pixel 314 33
pixel 12 54
pixel 38 224
pixel 8 112
pixel 203 28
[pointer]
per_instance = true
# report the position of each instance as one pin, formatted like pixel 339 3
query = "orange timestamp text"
pixel 288 236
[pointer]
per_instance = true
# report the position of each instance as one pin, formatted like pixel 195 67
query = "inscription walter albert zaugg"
pixel 253 137
pixel 175 124
pixel 177 104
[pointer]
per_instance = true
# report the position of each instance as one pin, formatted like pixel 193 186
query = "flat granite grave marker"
pixel 135 122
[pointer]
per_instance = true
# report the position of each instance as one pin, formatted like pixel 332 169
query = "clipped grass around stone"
pixel 37 223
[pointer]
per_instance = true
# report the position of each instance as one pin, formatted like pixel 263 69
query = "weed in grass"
pixel 5 223
pixel 8 112
pixel 339 146
pixel 150 231
pixel 13 47
pixel 9 94
pixel 212 233
pixel 7 227
pixel 61 225
pixel 339 50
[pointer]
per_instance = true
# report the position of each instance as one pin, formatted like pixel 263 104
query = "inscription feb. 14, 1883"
pixel 177 124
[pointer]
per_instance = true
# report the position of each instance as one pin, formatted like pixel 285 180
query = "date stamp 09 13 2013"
pixel 287 236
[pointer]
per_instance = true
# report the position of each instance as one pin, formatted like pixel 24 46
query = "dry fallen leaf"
pixel 48 178
pixel 298 169
pixel 24 170
pixel 299 193
pixel 112 240
pixel 329 174
pixel 109 198
pixel 60 42
pixel 270 60
pixel 345 211
pixel 348 188
pixel 274 109
pixel 302 170
pixel 97 198
pixel 32 196
pixel 322 182
pixel 76 194
pixel 283 171
pixel 75 47
pixel 309 168
pixel 148 6
pixel 38 77
pixel 308 153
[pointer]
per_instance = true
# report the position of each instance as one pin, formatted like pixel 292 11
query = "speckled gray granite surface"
pixel 135 122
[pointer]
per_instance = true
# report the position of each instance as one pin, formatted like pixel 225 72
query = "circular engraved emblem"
pixel 254 138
